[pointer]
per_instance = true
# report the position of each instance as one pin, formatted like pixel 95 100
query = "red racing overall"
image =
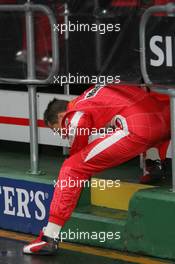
pixel 138 120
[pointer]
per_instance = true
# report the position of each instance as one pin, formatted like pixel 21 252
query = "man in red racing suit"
pixel 133 121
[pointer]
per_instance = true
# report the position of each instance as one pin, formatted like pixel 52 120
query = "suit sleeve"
pixel 78 127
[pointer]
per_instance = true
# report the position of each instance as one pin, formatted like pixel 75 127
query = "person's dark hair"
pixel 54 107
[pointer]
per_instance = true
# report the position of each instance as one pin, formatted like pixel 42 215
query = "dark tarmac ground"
pixel 69 253
pixel 11 253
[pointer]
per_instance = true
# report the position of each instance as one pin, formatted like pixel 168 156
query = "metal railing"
pixel 31 80
pixel 169 9
pixel 29 9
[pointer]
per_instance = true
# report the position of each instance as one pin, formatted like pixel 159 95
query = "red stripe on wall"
pixel 5 2
pixel 19 121
pixel 125 3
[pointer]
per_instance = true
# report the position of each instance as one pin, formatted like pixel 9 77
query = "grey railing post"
pixel 31 80
pixel 66 42
pixel 55 44
pixel 172 101
pixel 31 74
pixel 169 9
